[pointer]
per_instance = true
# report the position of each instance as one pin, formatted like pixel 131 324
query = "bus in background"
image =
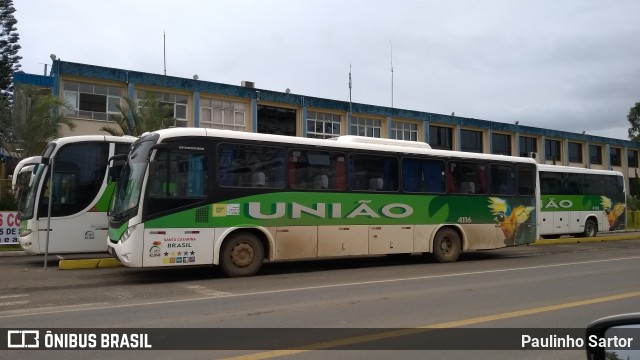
pixel 22 175
pixel 235 199
pixel 80 197
pixel 580 202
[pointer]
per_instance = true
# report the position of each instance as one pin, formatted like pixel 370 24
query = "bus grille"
pixel 202 215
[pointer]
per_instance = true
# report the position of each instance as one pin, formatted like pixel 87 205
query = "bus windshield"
pixel 27 201
pixel 127 194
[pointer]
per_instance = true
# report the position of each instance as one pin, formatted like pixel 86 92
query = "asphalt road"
pixel 547 287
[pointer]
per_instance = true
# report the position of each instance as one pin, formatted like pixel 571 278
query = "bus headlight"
pixel 25 232
pixel 127 233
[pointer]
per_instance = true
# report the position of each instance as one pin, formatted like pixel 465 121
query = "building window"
pixel 632 158
pixel 176 103
pixel 276 120
pixel 219 114
pixel 595 154
pixel 366 127
pixel 614 156
pixel 92 101
pixel 404 131
pixel 322 125
pixel 575 152
pixel 528 145
pixel 471 141
pixel 440 137
pixel 552 150
pixel 501 144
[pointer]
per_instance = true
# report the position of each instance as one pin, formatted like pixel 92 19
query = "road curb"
pixel 13 253
pixel 88 263
pixel 585 240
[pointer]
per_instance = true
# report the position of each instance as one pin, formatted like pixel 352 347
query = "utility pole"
pixel 350 88
pixel 391 74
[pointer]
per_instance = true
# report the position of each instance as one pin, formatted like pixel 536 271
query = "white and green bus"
pixel 80 196
pixel 580 202
pixel 194 196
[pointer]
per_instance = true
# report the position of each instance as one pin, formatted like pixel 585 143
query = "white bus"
pixel 194 196
pixel 80 196
pixel 22 174
pixel 580 202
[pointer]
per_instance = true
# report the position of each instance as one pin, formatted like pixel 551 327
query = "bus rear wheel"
pixel 447 245
pixel 590 228
pixel 242 255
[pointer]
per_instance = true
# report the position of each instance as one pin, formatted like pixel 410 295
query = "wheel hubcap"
pixel 445 246
pixel 242 255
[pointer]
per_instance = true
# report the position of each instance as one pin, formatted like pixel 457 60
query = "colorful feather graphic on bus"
pixel 613 211
pixel 509 219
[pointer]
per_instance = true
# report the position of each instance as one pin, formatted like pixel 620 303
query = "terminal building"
pixel 93 92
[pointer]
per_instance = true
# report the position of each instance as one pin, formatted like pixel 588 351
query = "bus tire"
pixel 590 228
pixel 242 255
pixel 447 245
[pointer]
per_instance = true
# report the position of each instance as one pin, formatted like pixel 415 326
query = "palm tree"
pixel 135 120
pixel 31 121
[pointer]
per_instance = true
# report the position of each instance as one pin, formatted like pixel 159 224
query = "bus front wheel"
pixel 242 255
pixel 447 245
pixel 590 228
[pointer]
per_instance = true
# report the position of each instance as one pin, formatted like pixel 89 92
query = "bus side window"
pixel 373 173
pixel 526 181
pixel 503 178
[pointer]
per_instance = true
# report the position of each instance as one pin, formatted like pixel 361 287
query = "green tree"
pixel 136 120
pixel 33 120
pixel 634 120
pixel 9 58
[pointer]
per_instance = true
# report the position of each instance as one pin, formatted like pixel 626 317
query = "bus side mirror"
pixel 115 165
pixel 614 337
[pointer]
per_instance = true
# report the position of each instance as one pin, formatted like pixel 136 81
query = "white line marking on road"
pixel 202 290
pixel 11 303
pixel 13 296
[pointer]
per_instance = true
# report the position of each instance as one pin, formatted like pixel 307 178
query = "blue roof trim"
pixel 21 78
pixel 204 87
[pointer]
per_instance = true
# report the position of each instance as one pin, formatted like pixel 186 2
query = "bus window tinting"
pixel 526 181
pixel 467 178
pixel 177 180
pixel 182 175
pixel 78 174
pixel 251 166
pixel 316 170
pixel 373 173
pixel 553 183
pixel 423 175
pixel 503 179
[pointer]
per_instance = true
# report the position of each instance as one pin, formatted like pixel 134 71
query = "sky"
pixel 570 65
